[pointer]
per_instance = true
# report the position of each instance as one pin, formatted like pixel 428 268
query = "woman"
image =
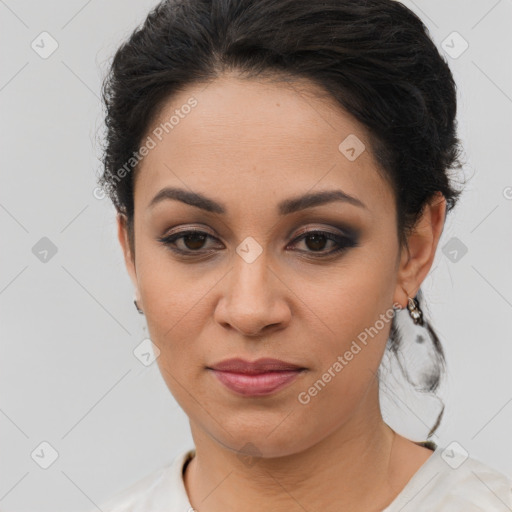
pixel 280 169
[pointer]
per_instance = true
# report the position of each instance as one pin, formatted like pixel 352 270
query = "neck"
pixel 348 470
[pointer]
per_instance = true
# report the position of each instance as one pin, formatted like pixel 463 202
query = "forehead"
pixel 257 137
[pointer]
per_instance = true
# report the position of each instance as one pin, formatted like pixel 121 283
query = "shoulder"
pixel 482 486
pixel 161 489
pixel 451 481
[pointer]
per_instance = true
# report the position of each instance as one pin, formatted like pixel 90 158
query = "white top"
pixel 446 482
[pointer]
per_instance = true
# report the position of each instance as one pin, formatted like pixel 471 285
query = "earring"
pixel 137 306
pixel 415 311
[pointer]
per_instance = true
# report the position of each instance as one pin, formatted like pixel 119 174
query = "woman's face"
pixel 251 161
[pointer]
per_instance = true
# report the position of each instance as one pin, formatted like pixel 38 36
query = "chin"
pixel 272 441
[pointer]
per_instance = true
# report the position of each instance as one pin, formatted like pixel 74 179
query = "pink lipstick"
pixel 257 378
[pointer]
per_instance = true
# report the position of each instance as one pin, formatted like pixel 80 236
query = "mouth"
pixel 257 378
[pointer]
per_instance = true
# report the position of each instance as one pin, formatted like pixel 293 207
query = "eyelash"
pixel 343 243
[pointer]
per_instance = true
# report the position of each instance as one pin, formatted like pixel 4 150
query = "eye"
pixel 187 242
pixel 316 242
pixel 194 242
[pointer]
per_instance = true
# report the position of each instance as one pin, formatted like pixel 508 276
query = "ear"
pixel 417 258
pixel 129 257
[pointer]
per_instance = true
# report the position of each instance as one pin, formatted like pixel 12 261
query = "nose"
pixel 254 301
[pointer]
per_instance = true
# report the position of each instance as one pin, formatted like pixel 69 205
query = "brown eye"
pixel 188 243
pixel 194 241
pixel 316 242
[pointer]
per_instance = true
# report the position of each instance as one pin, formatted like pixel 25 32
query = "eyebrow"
pixel 285 207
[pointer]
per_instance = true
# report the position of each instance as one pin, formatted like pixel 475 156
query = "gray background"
pixel 68 374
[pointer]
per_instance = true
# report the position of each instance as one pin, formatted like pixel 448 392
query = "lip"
pixel 255 378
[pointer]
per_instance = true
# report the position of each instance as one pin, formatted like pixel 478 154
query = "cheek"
pixel 348 358
pixel 174 306
pixel 169 290
pixel 356 312
pixel 354 298
pixel 359 322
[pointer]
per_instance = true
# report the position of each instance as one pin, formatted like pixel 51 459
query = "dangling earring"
pixel 415 311
pixel 137 306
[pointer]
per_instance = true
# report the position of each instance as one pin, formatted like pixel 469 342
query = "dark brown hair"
pixel 373 58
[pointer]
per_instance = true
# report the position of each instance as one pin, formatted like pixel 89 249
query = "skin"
pixel 249 145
